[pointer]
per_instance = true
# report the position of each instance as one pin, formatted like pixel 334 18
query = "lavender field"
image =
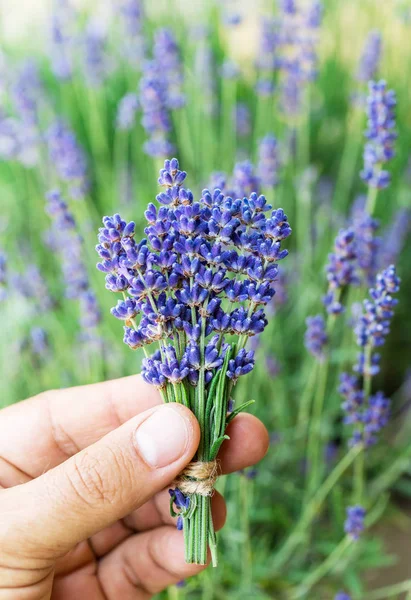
pixel 245 171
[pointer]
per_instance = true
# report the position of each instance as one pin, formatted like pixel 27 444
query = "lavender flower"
pixel 369 415
pixel 370 58
pixel 245 181
pixel 132 25
pixel 341 269
pixel 97 63
pixel 126 112
pixel 381 134
pixel 68 158
pixel 26 94
pixel 204 75
pixel 342 596
pixel 268 161
pixel 297 55
pixel 230 70
pixel 354 524
pixel 39 342
pixel 156 119
pixel 62 40
pixel 316 337
pixel 3 276
pixel 266 56
pixel 367 244
pixel 374 325
pixel 394 238
pixel 167 56
pixel 242 119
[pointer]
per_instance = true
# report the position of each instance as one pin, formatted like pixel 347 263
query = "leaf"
pixel 238 410
pixel 217 445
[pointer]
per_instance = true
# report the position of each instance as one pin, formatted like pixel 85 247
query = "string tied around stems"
pixel 198 478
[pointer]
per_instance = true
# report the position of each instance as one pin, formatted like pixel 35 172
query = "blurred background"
pixel 66 69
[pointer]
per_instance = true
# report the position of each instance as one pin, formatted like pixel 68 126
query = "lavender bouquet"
pixel 197 287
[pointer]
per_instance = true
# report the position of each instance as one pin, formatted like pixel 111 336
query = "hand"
pixel 84 507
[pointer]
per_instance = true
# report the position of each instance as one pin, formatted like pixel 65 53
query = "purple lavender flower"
pixel 39 342
pixel 26 93
pixel 296 51
pixel 97 63
pixel 133 40
pixel 381 134
pixel 204 74
pixel 156 119
pixel 342 596
pixel 126 112
pixel 230 70
pixel 245 181
pixel 354 524
pixel 63 18
pixel 394 238
pixel 272 365
pixel 242 119
pixel 68 158
pixel 370 58
pixel 341 269
pixel 316 337
pixel 374 325
pixel 369 415
pixel 3 276
pixel 367 244
pixel 266 56
pixel 268 163
pixel 167 56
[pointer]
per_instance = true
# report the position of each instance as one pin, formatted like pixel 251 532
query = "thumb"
pixel 102 483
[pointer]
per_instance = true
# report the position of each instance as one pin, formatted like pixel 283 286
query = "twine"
pixel 198 478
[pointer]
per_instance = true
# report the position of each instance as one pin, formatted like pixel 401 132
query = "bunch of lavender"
pixel 381 134
pixel 369 413
pixel 205 272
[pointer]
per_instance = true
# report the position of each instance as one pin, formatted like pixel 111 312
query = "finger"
pixel 145 564
pixel 101 484
pixel 248 444
pixel 109 538
pixel 42 432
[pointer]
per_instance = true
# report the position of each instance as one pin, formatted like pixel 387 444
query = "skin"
pixel 82 514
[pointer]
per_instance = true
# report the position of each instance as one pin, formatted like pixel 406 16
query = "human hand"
pixel 84 507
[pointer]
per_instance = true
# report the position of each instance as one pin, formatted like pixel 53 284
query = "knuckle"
pixel 98 482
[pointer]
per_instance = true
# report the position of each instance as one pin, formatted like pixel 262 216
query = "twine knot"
pixel 198 478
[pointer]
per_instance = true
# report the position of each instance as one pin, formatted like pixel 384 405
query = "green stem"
pixel 371 200
pixel 247 560
pixel 389 591
pixel 359 464
pixel 312 509
pixel 323 569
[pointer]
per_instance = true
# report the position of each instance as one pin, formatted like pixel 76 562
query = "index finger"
pixel 42 432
